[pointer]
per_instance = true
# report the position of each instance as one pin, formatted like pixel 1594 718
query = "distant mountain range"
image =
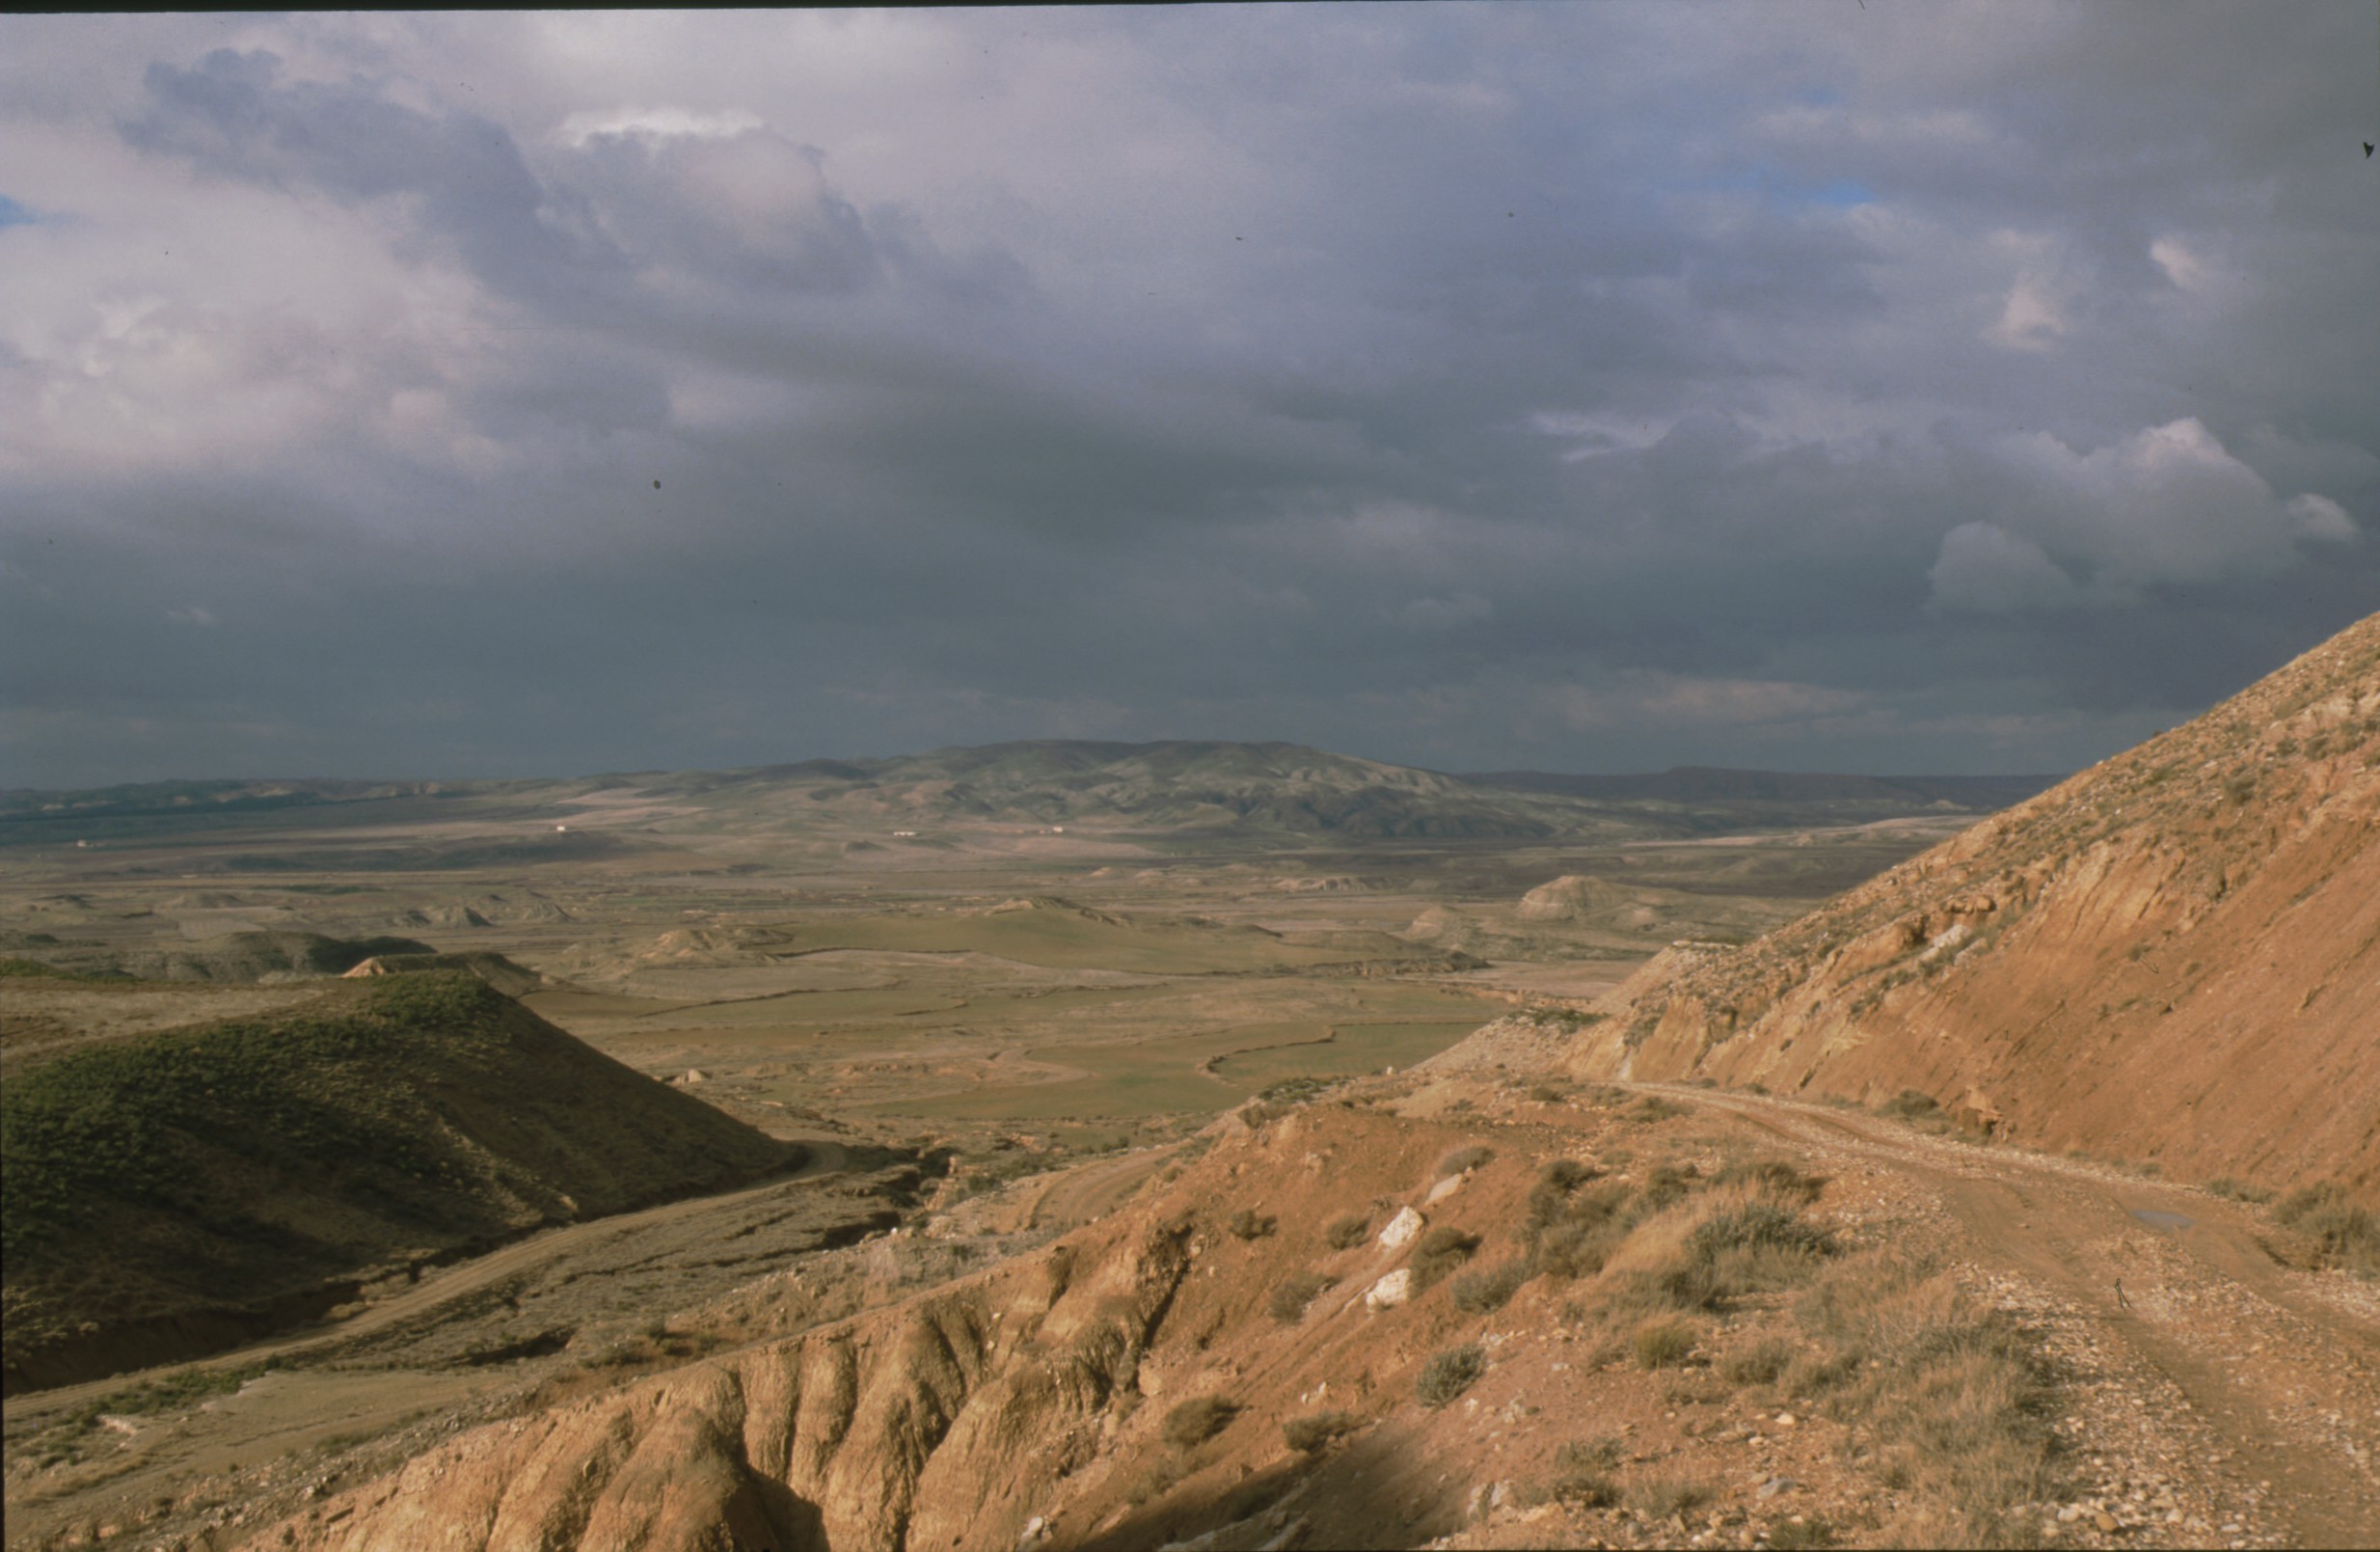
pixel 1718 784
pixel 1173 786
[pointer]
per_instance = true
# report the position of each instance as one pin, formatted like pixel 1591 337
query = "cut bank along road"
pixel 2281 1367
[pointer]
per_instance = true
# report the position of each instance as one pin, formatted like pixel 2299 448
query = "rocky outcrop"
pixel 2172 956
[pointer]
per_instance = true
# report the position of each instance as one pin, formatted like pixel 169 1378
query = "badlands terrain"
pixel 1224 1146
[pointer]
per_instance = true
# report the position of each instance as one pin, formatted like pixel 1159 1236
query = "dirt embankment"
pixel 2173 957
pixel 1330 1330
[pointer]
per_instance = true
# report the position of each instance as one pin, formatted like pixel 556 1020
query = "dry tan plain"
pixel 1025 1289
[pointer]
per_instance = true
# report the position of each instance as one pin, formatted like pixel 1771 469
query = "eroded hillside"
pixel 2173 957
pixel 1458 1304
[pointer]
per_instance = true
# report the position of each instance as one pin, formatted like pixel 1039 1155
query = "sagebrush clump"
pixel 1289 1301
pixel 1347 1233
pixel 1192 1423
pixel 1318 1431
pixel 1448 1374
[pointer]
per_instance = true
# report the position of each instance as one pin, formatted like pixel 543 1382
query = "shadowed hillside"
pixel 178 1192
pixel 2175 956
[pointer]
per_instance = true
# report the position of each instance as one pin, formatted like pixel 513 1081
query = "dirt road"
pixel 2269 1375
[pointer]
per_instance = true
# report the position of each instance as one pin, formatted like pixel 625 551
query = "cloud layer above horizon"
pixel 1958 387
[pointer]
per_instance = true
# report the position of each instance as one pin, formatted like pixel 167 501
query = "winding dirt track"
pixel 2245 1340
pixel 459 1281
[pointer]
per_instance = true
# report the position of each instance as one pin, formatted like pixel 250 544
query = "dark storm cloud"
pixel 1577 387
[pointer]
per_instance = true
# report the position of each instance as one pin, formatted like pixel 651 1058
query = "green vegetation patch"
pixel 232 1165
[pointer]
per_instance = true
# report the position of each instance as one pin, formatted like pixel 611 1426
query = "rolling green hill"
pixel 168 1195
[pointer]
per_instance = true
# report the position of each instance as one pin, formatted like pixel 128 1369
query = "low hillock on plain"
pixel 2171 956
pixel 172 1193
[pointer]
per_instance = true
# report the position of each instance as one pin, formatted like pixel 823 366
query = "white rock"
pixel 1443 1189
pixel 1390 1291
pixel 1401 1229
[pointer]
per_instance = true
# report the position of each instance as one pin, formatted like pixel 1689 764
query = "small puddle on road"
pixel 2158 1218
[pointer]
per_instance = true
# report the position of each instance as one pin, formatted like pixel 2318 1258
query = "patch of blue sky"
pixel 1840 193
pixel 13 214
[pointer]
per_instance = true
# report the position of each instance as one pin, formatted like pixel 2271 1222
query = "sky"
pixel 1805 385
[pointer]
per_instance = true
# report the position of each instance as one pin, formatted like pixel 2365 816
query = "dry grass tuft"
pixel 1440 1251
pixel 1582 1474
pixel 1192 1423
pixel 1489 1289
pixel 1759 1364
pixel 1289 1301
pixel 1658 1498
pixel 1954 1382
pixel 1347 1233
pixel 1662 1342
pixel 1249 1224
pixel 1318 1430
pixel 1448 1374
pixel 1462 1161
pixel 2345 1232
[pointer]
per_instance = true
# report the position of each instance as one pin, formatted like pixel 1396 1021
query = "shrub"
pixel 1811 1532
pixel 1662 1344
pixel 1153 1481
pixel 1249 1224
pixel 1448 1374
pixel 1567 1175
pixel 1658 1498
pixel 1665 1185
pixel 1908 1104
pixel 1653 1107
pixel 1581 1474
pixel 1289 1300
pixel 1192 1423
pixel 1441 1250
pixel 1318 1431
pixel 1463 1160
pixel 2344 1230
pixel 1487 1291
pixel 2224 1185
pixel 1345 1234
pixel 1758 1364
pixel 1759 1225
pixel 1775 1176
pixel 1953 1384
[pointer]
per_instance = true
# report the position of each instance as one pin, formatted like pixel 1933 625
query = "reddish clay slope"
pixel 2172 956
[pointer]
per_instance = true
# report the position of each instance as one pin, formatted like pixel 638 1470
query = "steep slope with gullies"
pixel 2173 957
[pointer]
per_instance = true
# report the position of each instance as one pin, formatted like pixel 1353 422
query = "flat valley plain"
pixel 1009 1025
